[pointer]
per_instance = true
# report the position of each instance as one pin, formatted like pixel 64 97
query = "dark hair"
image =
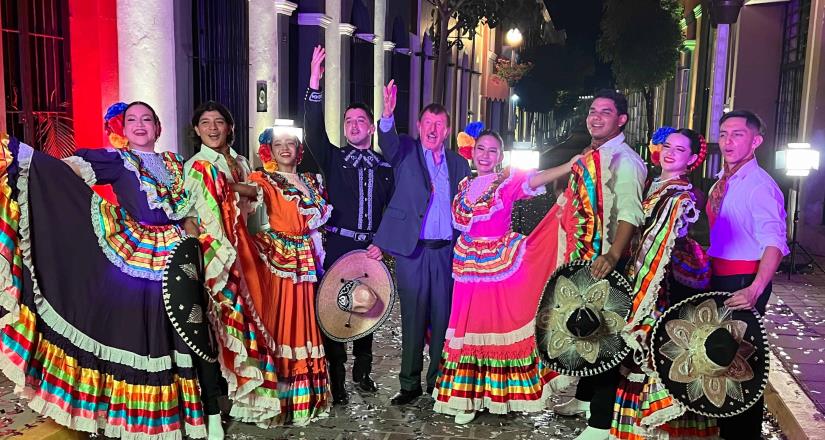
pixel 693 137
pixel 361 106
pixel 134 103
pixel 436 109
pixel 618 98
pixel 212 106
pixel 492 133
pixel 752 120
pixel 698 146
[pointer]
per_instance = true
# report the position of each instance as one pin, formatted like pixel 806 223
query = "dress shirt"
pixel 437 223
pixel 752 217
pixel 627 185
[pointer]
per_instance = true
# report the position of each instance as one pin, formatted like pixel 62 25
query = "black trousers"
pixel 600 390
pixel 209 377
pixel 747 425
pixel 336 352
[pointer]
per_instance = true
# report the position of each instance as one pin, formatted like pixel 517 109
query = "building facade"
pixel 65 61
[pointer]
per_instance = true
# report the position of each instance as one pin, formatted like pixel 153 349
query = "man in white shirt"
pixel 746 210
pixel 623 175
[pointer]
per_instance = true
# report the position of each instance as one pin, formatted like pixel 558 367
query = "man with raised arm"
pixel 359 185
pixel 417 229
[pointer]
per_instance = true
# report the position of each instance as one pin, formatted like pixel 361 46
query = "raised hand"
pixel 316 70
pixel 390 95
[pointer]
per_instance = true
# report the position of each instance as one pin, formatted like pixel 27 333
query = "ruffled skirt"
pixel 88 344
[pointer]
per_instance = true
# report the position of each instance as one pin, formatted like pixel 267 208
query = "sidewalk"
pixel 795 322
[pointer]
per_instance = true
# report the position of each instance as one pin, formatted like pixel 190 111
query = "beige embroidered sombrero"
pixel 355 297
pixel 579 320
pixel 712 359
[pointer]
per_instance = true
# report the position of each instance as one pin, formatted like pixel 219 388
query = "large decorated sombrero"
pixel 355 297
pixel 712 359
pixel 579 320
pixel 185 298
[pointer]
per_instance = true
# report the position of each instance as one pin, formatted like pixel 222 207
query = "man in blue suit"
pixel 417 229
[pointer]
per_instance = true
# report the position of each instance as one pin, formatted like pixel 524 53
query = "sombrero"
pixel 579 320
pixel 185 298
pixel 712 359
pixel 355 297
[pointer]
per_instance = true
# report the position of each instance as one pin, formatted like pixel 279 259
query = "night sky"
pixel 580 19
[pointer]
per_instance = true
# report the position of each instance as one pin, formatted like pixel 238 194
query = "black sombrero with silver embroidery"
pixel 713 360
pixel 185 298
pixel 579 320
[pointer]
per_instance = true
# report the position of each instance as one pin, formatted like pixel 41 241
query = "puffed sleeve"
pixel 99 166
pixel 518 185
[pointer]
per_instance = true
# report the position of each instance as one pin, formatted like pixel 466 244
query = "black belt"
pixel 355 235
pixel 434 244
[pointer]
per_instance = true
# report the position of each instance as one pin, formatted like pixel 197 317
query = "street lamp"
pixel 513 37
pixel 797 160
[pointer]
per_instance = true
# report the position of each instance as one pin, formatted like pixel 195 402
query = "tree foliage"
pixel 455 20
pixel 641 41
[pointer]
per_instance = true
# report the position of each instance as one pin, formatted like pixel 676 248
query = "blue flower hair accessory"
pixel 474 129
pixel 661 134
pixel 115 109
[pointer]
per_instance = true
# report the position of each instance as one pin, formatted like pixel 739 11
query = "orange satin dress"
pixel 281 264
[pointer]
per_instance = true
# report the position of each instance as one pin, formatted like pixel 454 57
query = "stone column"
pixel 264 62
pixel 311 33
pixel 146 53
pixel 415 83
pixel 333 80
pixel 379 28
pixel 720 72
pixel 345 36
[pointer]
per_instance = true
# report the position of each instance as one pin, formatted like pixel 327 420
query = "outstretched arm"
pixel 317 140
pixel 551 174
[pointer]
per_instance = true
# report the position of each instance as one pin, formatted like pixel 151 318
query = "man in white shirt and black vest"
pixel 359 185
pixel 746 211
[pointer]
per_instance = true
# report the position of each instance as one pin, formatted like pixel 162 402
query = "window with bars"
pixel 791 79
pixel 36 73
pixel 221 64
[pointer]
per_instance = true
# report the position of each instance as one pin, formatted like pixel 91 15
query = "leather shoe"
pixel 367 384
pixel 404 397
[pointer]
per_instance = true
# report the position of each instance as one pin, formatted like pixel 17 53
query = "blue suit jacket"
pixel 401 225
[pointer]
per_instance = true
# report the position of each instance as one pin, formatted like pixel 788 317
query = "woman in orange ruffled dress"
pixel 281 263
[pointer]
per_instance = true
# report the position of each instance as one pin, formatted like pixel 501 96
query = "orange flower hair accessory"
pixel 466 139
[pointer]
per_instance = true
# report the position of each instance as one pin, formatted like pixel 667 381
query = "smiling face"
pixel 140 127
pixel 676 155
pixel 285 150
pixel 737 140
pixel 487 154
pixel 603 120
pixel 213 130
pixel 358 128
pixel 433 129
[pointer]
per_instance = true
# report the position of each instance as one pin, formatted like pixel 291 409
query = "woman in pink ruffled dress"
pixel 490 359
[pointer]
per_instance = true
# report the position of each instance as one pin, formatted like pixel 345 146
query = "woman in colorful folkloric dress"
pixel 667 267
pixel 490 359
pixel 247 364
pixel 281 263
pixel 87 340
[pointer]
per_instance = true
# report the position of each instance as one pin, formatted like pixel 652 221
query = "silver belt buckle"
pixel 360 236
